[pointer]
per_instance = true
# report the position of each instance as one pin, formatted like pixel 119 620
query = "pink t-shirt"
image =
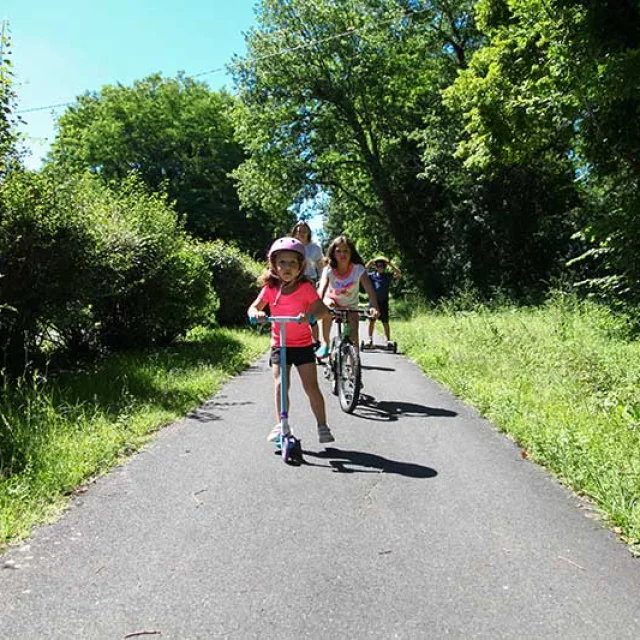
pixel 290 304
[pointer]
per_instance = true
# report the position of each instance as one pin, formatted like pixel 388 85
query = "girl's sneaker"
pixel 274 434
pixel 324 434
pixel 322 352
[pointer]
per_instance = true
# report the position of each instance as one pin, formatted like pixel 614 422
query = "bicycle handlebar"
pixel 338 311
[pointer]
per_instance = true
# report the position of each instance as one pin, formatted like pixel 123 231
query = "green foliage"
pixel 331 97
pixel 178 137
pixel 562 379
pixel 515 233
pixel 45 263
pixel 8 135
pixel 87 266
pixel 57 433
pixel 559 81
pixel 234 276
pixel 153 285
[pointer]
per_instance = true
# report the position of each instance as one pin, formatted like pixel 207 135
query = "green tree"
pixel 177 135
pixel 86 266
pixel 8 121
pixel 559 84
pixel 332 95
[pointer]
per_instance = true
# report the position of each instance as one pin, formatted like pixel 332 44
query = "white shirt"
pixel 313 255
pixel 343 290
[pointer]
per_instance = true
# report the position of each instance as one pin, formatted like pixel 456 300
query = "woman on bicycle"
pixel 340 286
pixel 287 292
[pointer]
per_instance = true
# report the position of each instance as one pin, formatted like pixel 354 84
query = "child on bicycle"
pixel 382 279
pixel 340 287
pixel 287 292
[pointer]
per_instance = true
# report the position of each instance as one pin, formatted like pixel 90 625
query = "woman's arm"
pixel 319 261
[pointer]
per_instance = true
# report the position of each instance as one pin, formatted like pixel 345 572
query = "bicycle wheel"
pixel 348 377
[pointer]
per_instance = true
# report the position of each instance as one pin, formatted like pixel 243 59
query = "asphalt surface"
pixel 420 521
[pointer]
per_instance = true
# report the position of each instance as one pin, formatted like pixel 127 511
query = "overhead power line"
pixel 279 52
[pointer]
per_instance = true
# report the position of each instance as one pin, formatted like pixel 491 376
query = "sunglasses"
pixel 380 265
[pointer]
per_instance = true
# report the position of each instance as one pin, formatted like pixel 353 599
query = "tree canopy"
pixel 177 135
pixel 558 83
pixel 331 97
pixel 8 120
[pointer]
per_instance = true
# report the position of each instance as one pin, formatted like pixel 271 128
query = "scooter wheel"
pixel 292 450
pixel 295 455
pixel 287 445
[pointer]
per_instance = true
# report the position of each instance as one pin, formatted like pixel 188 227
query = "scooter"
pixel 287 444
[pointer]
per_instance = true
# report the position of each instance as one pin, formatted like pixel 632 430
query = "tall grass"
pixel 562 379
pixel 57 433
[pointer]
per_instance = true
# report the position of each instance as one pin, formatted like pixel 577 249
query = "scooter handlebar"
pixel 296 319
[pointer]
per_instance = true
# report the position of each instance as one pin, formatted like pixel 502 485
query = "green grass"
pixel 563 380
pixel 58 433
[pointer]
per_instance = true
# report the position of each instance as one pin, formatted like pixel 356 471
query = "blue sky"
pixel 62 49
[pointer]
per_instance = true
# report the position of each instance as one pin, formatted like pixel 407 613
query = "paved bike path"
pixel 422 521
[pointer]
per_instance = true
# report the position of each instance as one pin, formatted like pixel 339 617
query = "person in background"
pixel 315 262
pixel 381 279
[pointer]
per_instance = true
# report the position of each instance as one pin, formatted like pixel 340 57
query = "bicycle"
pixel 344 369
pixel 290 446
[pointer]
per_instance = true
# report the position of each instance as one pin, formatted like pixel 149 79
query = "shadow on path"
pixel 344 461
pixel 388 411
pixel 206 412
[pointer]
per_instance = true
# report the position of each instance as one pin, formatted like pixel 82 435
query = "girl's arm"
pixel 319 309
pixel 324 282
pixel 366 283
pixel 256 309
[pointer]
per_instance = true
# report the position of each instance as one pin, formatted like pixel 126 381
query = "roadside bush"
pixel 83 266
pixel 234 275
pixel 154 283
pixel 44 262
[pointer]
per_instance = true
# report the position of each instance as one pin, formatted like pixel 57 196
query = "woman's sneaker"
pixel 324 434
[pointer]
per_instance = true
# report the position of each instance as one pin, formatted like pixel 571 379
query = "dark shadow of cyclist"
pixel 344 461
pixel 386 411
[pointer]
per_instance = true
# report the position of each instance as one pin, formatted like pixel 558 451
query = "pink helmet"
pixel 287 244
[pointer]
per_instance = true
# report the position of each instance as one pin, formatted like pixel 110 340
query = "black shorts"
pixel 295 355
pixel 383 305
